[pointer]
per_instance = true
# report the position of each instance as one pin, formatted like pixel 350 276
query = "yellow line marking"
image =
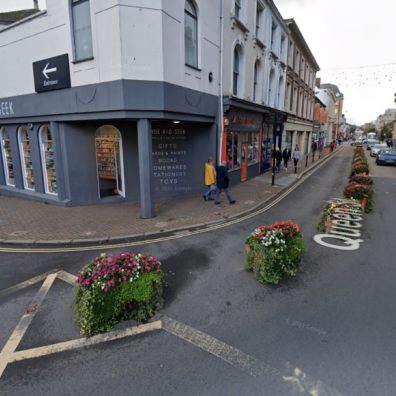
pixel 26 283
pixel 20 330
pixel 84 342
pixel 174 236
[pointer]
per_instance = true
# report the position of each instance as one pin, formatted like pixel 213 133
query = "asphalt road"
pixel 328 331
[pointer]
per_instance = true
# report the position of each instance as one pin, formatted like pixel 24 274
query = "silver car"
pixel 376 148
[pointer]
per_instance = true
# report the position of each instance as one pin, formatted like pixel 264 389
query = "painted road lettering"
pixel 345 227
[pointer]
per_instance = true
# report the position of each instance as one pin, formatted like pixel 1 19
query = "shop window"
pixel 5 146
pixel 82 32
pixel 109 159
pixel 25 151
pixel 190 34
pixel 47 151
pixel 234 148
pixel 253 147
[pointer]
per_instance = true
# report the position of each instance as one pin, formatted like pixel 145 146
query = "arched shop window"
pixel 109 160
pixel 5 147
pixel 25 151
pixel 47 151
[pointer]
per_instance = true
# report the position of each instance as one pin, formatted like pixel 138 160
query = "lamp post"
pixel 274 149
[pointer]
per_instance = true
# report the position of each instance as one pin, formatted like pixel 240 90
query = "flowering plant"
pixel 356 190
pixel 115 287
pixel 275 251
pixel 361 179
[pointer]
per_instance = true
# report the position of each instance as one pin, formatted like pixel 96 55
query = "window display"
pixel 48 160
pixel 5 146
pixel 109 161
pixel 233 150
pixel 26 158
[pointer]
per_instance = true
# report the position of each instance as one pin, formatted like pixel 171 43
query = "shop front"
pixel 241 151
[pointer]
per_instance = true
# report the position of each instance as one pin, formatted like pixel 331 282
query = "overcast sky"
pixel 353 41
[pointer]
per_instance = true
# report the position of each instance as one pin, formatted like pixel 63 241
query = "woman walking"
pixel 296 157
pixel 210 179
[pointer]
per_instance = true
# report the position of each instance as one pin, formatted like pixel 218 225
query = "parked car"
pixel 386 157
pixel 371 143
pixel 376 148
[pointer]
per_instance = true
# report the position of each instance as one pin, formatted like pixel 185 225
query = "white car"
pixel 376 148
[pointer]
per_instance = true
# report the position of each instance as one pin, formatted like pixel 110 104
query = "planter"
pixel 274 251
pixel 114 288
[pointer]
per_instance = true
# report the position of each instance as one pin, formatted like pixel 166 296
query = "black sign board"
pixel 52 73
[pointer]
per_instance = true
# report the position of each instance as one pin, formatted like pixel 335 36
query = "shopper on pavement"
pixel 286 155
pixel 296 157
pixel 278 159
pixel 223 182
pixel 210 179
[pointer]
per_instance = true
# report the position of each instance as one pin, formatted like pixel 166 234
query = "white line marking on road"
pixel 20 330
pixel 67 277
pixel 174 236
pixel 84 342
pixel 26 283
pixel 242 361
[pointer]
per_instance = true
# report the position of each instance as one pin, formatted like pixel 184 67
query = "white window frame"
pixel 43 163
pixel 22 156
pixel 3 154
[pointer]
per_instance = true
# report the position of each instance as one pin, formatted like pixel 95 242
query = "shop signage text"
pixel 170 155
pixel 345 229
pixel 52 73
pixel 7 108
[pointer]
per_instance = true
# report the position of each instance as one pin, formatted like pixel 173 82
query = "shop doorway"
pixel 109 160
pixel 244 157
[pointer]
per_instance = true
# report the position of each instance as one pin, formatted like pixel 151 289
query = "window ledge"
pixel 274 55
pixel 193 67
pixel 236 22
pixel 258 42
pixel 82 60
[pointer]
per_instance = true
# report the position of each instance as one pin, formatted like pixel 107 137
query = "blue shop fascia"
pixel 104 143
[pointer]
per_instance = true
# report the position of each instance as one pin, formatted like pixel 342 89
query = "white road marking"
pixel 67 277
pixel 84 342
pixel 26 283
pixel 173 236
pixel 16 337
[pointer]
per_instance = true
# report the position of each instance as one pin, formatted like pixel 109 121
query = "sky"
pixel 353 41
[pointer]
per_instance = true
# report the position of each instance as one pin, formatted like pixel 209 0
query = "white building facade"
pixel 109 100
pixel 254 51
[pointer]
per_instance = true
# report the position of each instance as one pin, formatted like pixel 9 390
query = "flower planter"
pixel 274 251
pixel 113 288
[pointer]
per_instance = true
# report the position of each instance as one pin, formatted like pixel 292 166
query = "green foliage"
pixel 274 252
pixel 98 312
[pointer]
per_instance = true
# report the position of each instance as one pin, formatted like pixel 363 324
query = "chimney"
pixel 318 81
pixel 35 4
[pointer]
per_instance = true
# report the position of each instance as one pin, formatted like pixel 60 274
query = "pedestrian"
pixel 278 159
pixel 223 182
pixel 332 146
pixel 210 179
pixel 296 157
pixel 286 155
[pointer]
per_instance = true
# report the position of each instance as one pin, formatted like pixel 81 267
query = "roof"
pixel 320 102
pixel 333 87
pixel 10 17
pixel 296 32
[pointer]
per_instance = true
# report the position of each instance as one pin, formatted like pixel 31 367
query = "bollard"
pixel 306 161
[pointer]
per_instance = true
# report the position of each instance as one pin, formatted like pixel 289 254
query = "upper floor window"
pixel 236 71
pixel 255 80
pixel 190 34
pixel 82 34
pixel 238 8
pixel 273 36
pixel 5 146
pixel 259 21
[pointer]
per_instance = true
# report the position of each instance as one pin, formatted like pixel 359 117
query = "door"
pixel 244 162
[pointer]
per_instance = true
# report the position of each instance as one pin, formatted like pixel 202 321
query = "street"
pixel 328 331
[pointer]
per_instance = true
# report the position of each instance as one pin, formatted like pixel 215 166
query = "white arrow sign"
pixel 46 71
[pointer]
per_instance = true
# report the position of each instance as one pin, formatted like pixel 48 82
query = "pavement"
pixel 30 223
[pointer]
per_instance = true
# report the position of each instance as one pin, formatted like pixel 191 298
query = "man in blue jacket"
pixel 223 182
